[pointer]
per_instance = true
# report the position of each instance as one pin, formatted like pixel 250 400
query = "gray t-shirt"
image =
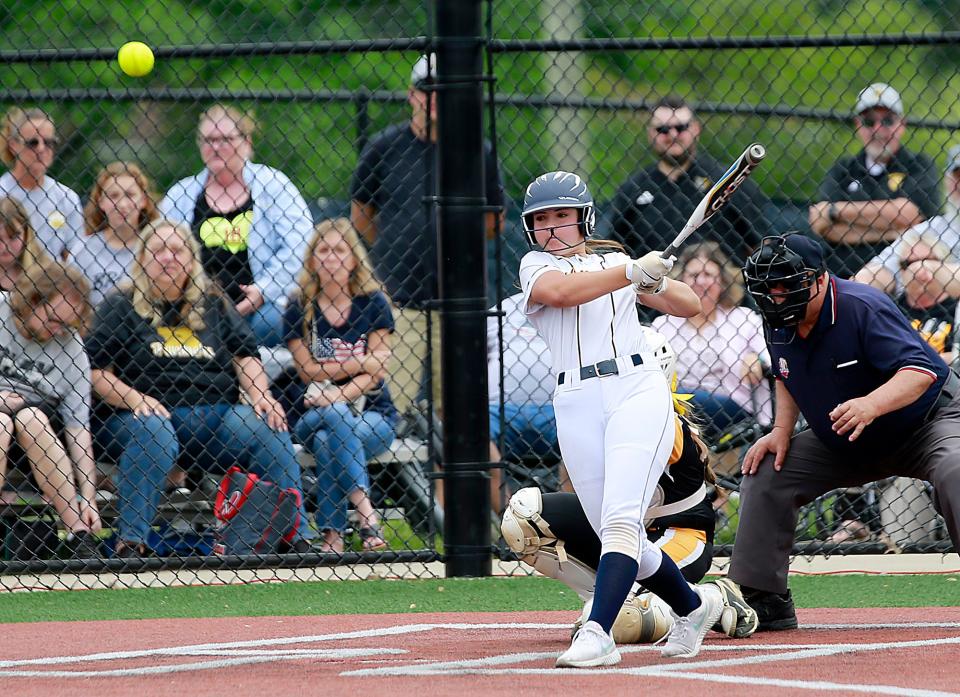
pixel 54 209
pixel 57 371
pixel 104 266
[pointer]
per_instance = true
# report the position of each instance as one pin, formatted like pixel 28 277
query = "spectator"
pixel 121 203
pixel 338 331
pixel 170 356
pixel 655 202
pixel 720 352
pixel 19 249
pixel 883 271
pixel 249 218
pixel 393 178
pixel 924 300
pixel 29 143
pixel 868 199
pixel 45 394
pixel 530 428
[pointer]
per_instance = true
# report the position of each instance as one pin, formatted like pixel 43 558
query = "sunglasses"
pixel 906 263
pixel 886 121
pixel 666 128
pixel 220 140
pixel 34 143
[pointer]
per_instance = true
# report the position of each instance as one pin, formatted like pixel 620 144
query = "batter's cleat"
pixel 737 620
pixel 687 634
pixel 591 647
pixel 775 612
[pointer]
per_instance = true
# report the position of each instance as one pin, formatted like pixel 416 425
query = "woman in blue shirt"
pixel 338 330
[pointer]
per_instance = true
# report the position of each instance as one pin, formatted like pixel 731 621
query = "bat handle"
pixel 670 251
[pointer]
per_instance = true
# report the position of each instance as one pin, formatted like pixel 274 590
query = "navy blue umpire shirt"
pixel 859 342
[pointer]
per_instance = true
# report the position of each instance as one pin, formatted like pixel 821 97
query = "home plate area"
pixel 882 651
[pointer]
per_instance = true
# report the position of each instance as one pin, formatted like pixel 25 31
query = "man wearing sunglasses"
pixel 868 199
pixel 655 202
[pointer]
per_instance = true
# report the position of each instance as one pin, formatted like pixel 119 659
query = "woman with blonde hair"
pixel 121 203
pixel 19 249
pixel 170 357
pixel 28 144
pixel 250 219
pixel 338 330
pixel 721 351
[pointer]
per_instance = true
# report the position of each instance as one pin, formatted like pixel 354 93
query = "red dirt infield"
pixel 896 651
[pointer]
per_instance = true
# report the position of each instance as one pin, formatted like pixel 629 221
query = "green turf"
pixel 446 595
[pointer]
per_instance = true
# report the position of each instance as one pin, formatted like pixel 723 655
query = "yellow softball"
pixel 135 58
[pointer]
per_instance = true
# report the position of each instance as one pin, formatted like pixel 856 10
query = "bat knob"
pixel 756 152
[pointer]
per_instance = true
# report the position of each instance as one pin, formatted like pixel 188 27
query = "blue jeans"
pixel 530 430
pixel 217 434
pixel 266 324
pixel 341 443
pixel 721 411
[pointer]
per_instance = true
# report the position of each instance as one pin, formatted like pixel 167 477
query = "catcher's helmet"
pixel 558 190
pixel 664 352
pixel 779 276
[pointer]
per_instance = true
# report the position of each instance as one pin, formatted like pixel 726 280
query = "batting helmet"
pixel 779 276
pixel 558 190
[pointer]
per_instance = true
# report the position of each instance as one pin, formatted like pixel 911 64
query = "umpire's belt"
pixel 601 369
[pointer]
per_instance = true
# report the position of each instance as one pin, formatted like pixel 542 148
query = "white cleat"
pixel 591 647
pixel 687 633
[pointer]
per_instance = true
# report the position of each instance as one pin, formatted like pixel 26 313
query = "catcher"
pixel 551 533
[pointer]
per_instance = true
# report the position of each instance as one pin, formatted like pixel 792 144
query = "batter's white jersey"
pixel 589 333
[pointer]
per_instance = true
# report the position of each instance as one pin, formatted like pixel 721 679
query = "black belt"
pixel 601 369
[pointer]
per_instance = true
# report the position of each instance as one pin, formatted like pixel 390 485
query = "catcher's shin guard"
pixel 643 619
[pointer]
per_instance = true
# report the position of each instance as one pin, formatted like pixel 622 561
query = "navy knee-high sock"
pixel 615 575
pixel 672 587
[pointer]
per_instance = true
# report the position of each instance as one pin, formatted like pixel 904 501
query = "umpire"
pixel 878 399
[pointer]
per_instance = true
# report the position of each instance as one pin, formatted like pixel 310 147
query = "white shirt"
pixel 711 358
pixel 54 211
pixel 105 267
pixel 589 333
pixel 527 376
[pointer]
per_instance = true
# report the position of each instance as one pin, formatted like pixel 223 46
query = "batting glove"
pixel 648 273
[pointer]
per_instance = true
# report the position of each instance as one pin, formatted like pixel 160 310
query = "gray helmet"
pixel 558 190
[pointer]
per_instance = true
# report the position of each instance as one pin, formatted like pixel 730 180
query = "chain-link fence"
pixel 232 261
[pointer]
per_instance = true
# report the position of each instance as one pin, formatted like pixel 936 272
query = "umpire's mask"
pixel 779 275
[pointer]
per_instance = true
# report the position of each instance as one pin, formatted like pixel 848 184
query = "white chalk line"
pixel 229 654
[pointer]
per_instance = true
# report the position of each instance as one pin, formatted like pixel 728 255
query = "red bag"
pixel 254 515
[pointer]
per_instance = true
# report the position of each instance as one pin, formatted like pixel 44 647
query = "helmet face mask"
pixel 557 190
pixel 779 281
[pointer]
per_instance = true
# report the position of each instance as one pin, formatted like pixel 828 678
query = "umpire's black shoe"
pixel 775 612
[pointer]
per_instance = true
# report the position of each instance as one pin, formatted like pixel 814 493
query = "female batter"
pixel 615 417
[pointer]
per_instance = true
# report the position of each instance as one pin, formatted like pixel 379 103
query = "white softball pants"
pixel 616 435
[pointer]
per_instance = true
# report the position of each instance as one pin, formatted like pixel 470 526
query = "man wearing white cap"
pixel 393 179
pixel 868 199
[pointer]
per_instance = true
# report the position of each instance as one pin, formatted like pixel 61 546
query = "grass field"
pixel 439 595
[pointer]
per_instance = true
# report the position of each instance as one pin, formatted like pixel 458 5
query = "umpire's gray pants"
pixel 770 501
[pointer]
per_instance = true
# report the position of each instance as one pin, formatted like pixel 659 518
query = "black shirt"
pixel 859 342
pixel 395 174
pixel 935 324
pixel 223 243
pixel 171 362
pixel 909 175
pixel 649 210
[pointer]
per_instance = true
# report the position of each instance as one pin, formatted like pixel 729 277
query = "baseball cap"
pixel 809 249
pixel 879 94
pixel 424 69
pixel 953 158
